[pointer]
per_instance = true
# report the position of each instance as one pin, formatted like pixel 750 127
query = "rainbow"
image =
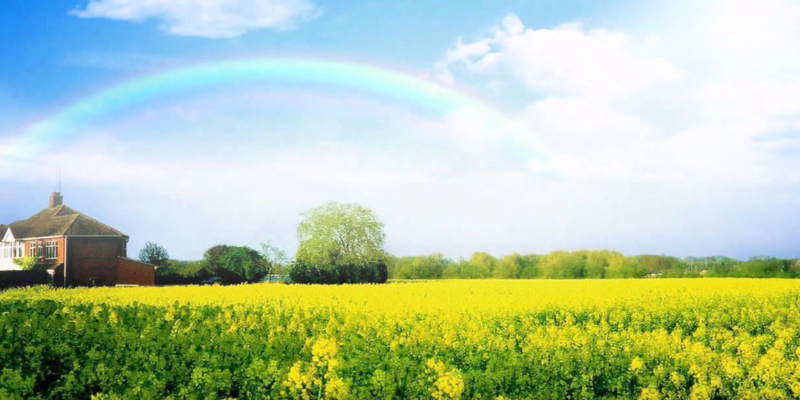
pixel 385 83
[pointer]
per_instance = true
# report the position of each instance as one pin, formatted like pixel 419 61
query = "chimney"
pixel 56 199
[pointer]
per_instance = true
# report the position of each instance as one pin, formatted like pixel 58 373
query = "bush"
pixel 351 273
pixel 30 264
pixel 12 279
pixel 182 273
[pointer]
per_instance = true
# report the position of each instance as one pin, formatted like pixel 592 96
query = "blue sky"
pixel 668 127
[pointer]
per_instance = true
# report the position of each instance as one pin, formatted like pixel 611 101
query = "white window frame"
pixel 51 250
pixel 19 249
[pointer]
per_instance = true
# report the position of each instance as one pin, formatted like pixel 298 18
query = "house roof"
pixel 59 221
pixel 3 230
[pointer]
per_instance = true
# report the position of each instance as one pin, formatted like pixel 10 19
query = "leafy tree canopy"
pixel 338 234
pixel 275 259
pixel 155 254
pixel 244 262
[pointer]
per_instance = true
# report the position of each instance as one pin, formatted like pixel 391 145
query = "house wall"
pixel 94 261
pixel 7 264
pixel 43 259
pixel 132 272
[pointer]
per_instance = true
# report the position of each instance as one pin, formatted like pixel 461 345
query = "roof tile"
pixel 59 221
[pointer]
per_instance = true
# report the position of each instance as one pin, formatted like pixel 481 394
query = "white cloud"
pixel 614 106
pixel 566 60
pixel 470 131
pixel 204 18
pixel 576 123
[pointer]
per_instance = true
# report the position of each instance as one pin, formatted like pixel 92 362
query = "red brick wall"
pixel 132 272
pixel 94 261
pixel 43 242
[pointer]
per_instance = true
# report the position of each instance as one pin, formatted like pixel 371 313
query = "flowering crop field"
pixel 491 339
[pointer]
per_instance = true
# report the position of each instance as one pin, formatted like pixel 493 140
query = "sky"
pixel 657 127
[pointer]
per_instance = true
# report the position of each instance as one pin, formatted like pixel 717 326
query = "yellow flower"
pixel 700 392
pixel 636 365
pixel 649 394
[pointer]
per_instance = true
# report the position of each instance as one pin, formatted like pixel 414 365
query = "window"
pixel 52 250
pixel 5 250
pixel 37 249
pixel 19 250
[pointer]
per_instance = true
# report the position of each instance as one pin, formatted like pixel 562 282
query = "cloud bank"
pixel 639 108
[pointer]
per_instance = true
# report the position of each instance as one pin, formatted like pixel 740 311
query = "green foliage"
pixel 29 263
pixel 340 243
pixel 244 262
pixel 235 264
pixel 339 274
pixel 565 265
pixel 510 267
pixel 231 264
pixel 421 267
pixel 480 265
pixel 154 254
pixel 599 264
pixel 275 260
pixel 182 268
pixel 340 234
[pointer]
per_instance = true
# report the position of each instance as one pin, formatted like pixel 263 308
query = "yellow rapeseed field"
pixel 489 339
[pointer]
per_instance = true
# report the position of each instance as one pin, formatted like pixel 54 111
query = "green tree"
pixel 454 270
pixel 480 265
pixel 509 267
pixel 339 234
pixel 274 258
pixel 564 265
pixel 620 266
pixel 212 258
pixel 243 262
pixel 597 263
pixel 421 267
pixel 154 254
pixel 531 266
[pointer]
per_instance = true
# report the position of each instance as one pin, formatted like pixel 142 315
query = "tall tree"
pixel 245 263
pixel 274 258
pixel 480 265
pixel 509 267
pixel 155 254
pixel 338 234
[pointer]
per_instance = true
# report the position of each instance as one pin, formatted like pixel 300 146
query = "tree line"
pixel 339 244
pixel 343 243
pixel 587 264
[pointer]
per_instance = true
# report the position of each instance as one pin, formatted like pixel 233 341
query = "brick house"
pixel 91 253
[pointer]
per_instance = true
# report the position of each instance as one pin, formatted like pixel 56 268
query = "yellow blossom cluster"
pixel 544 339
pixel 447 382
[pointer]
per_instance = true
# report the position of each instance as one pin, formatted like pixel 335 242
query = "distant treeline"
pixel 231 264
pixel 587 265
pixel 225 265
